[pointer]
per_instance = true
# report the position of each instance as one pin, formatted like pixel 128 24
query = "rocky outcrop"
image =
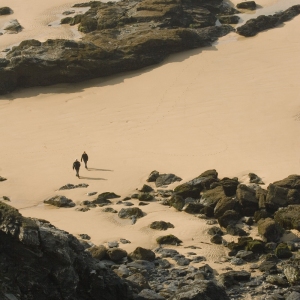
pixel 60 201
pixel 50 263
pixel 254 26
pixel 120 36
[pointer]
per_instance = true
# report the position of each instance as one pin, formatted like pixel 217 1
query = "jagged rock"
pixel 103 198
pixel 177 202
pixel 161 225
pixel 255 179
pixel 70 186
pixel 146 189
pixel 5 11
pixel 270 230
pixel 216 239
pixel 231 278
pixel 109 209
pixel 212 197
pixel 204 289
pixel 283 251
pixel 153 176
pixel 168 239
pixel 145 197
pixel 128 213
pixel 229 19
pixel 52 261
pixel 13 26
pixel 277 280
pixel 193 208
pixel 215 230
pixel 225 204
pixel 229 185
pixel 247 5
pixel 230 217
pixel 247 199
pixel 279 197
pixel 166 179
pixel 142 254
pixel 60 201
pixel 147 294
pixel 2 178
pixel 116 254
pixel 98 252
pixel 245 255
pixel 288 217
pixel 292 272
pixel 253 26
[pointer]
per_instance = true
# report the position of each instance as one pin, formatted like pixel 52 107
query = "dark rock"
pixel 245 255
pixel 153 176
pixel 209 173
pixel 5 11
pixel 177 202
pixel 13 26
pixel 2 178
pixel 164 252
pixel 211 197
pixel 247 199
pixel 229 19
pixel 253 26
pixel 193 208
pixel 292 272
pixel 207 211
pixel 141 203
pixel 116 254
pixel 166 179
pixel 51 262
pixel 234 230
pixel 291 182
pixel 60 201
pixel 261 195
pixel 168 239
pixel 216 239
pixel 255 246
pixel 226 204
pixel 142 254
pixel 146 189
pixel 255 179
pixel 270 230
pixel 128 213
pixel 231 278
pixel 288 217
pixel 240 245
pixel 161 225
pixel 283 251
pixel 268 267
pixel 277 280
pixel 293 296
pixel 204 289
pixel 104 197
pixel 126 203
pixel 247 5
pixel 98 252
pixel 229 186
pixel 147 294
pixel 3 63
pixel 145 197
pixel 261 214
pixel 230 217
pixel 109 209
pixel 138 281
pixel 181 260
pixel 70 186
pixel 215 230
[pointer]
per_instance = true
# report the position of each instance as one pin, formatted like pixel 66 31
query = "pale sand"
pixel 233 107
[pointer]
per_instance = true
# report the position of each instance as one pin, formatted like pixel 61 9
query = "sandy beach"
pixel 233 107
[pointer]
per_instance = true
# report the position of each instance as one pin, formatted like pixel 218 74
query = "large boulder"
pixel 142 254
pixel 246 196
pixel 193 208
pixel 116 254
pixel 230 217
pixel 36 254
pixel 166 179
pixel 161 225
pixel 251 5
pixel 231 278
pixel 60 201
pixel 280 197
pixel 98 252
pixel 290 182
pixel 212 197
pixel 224 204
pixel 168 239
pixel 270 230
pixel 128 213
pixel 288 217
pixel 177 202
pixel 282 251
pixel 229 185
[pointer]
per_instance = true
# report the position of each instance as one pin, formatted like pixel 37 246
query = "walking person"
pixel 85 158
pixel 76 166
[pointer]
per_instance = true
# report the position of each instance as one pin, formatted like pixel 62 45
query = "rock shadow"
pixel 91 178
pixel 96 169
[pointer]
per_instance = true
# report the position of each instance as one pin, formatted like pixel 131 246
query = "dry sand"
pixel 233 107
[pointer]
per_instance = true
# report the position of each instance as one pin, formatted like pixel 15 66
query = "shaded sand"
pixel 233 107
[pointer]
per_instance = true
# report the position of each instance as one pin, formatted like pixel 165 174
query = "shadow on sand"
pixel 91 178
pixel 95 169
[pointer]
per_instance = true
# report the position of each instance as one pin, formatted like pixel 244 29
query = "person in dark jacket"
pixel 76 166
pixel 85 158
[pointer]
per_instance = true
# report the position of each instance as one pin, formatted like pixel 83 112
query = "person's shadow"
pixel 95 169
pixel 91 178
